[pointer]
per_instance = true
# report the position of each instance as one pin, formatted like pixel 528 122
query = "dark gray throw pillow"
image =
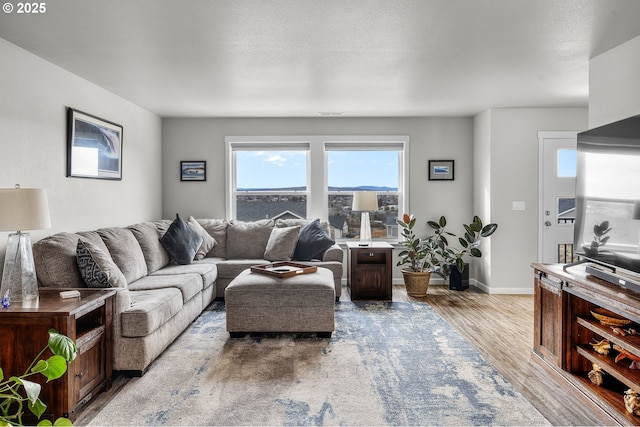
pixel 181 241
pixel 313 241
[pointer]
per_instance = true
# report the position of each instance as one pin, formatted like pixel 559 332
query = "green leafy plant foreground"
pixel 18 391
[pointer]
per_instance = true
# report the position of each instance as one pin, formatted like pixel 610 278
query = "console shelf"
pixel 564 330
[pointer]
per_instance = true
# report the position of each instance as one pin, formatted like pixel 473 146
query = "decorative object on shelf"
pixel 21 209
pixel 625 354
pixel 94 147
pixel 365 201
pixel 602 347
pixel 596 375
pixel 632 401
pixel 441 170
pixel 12 400
pixel 599 238
pixel 193 170
pixel 609 318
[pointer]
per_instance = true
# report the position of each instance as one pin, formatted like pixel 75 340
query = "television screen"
pixel 607 227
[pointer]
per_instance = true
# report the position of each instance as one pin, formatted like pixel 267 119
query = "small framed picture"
pixel 440 170
pixel 193 170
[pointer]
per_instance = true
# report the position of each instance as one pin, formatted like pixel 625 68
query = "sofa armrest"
pixel 334 253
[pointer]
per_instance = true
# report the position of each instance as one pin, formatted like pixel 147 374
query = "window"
pixel 315 177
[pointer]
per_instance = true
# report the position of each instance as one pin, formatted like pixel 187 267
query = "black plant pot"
pixel 459 281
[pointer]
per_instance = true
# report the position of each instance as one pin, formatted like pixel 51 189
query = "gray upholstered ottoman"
pixel 256 302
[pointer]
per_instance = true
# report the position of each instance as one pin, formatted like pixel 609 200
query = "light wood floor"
pixel 499 326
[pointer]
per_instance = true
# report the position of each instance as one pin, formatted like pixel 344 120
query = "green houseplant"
pixel 449 258
pixel 418 258
pixel 16 391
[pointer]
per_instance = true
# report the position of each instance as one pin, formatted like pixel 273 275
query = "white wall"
pixel 33 147
pixel 431 138
pixel 614 84
pixel 508 140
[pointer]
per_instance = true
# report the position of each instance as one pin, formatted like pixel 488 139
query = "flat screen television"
pixel 607 224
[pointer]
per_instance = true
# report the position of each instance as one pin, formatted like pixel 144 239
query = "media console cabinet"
pixel 564 330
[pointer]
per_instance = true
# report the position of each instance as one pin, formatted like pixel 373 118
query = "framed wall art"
pixel 94 147
pixel 441 170
pixel 193 170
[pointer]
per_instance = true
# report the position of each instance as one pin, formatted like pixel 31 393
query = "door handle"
pixel 547 223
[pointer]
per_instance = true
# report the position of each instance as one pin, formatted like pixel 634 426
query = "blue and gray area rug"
pixel 394 363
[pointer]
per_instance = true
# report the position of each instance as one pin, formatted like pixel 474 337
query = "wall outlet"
pixel 518 206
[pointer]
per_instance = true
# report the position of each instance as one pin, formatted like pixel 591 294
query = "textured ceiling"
pixel 299 58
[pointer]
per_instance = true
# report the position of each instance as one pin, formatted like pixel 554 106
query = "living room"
pixel 495 149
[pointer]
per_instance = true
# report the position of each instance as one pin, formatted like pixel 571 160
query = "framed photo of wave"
pixel 441 170
pixel 193 170
pixel 94 147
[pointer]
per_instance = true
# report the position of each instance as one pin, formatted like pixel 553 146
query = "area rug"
pixel 394 363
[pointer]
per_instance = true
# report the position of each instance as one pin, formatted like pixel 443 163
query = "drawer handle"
pixel 80 375
pixel 370 253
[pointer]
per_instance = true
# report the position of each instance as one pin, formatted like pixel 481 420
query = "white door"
pixel 557 196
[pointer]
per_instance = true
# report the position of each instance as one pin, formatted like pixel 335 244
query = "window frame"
pixel 317 179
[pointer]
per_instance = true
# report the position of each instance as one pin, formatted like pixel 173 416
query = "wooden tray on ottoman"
pixel 283 269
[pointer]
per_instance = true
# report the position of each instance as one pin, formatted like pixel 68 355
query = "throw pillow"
pixel 181 241
pixel 208 242
pixel 281 244
pixel 96 267
pixel 313 241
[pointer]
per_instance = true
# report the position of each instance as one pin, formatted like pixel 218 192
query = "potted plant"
pixel 417 257
pixel 450 261
pixel 16 391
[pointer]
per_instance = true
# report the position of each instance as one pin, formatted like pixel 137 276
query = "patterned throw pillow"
pixel 96 267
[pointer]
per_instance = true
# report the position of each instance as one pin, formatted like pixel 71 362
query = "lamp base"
pixel 365 229
pixel 19 281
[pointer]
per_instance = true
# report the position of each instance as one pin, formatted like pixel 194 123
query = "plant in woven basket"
pixel 419 254
pixel 16 391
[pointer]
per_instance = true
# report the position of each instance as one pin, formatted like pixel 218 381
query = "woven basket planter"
pixel 417 283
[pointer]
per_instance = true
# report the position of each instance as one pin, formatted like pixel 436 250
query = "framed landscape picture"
pixel 94 147
pixel 440 170
pixel 193 170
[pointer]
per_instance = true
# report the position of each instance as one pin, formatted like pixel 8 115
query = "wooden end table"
pixel 370 271
pixel 86 320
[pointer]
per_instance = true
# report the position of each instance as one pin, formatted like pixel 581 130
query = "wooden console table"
pixel 564 329
pixel 86 320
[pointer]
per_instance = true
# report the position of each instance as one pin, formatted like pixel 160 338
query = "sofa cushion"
pixel 125 252
pixel 181 241
pixel 56 261
pixel 282 243
pixel 208 271
pixel 148 236
pixel 208 242
pixel 248 239
pixel 312 242
pixel 217 228
pixel 97 268
pixel 302 223
pixel 149 310
pixel 189 285
pixel 229 269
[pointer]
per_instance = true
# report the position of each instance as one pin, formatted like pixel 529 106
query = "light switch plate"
pixel 518 206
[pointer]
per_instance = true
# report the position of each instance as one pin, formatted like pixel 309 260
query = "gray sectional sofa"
pixel 156 297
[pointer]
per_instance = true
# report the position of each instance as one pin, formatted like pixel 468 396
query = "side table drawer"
pixel 371 257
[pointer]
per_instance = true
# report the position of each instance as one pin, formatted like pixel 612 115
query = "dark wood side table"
pixel 86 320
pixel 370 271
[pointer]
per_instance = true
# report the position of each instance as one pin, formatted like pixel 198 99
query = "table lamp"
pixel 365 201
pixel 21 209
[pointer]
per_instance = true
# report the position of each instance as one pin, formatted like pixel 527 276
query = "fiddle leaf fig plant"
pixel 18 391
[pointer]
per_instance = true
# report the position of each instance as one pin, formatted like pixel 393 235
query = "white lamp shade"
pixel 24 209
pixel 365 201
